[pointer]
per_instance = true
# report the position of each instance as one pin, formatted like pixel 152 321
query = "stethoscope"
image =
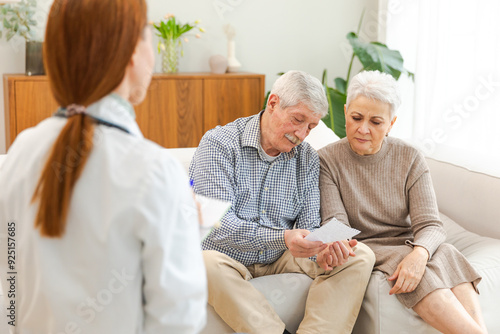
pixel 61 113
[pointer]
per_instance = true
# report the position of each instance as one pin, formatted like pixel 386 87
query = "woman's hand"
pixel 410 271
pixel 336 254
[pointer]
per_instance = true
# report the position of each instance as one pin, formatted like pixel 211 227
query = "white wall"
pixel 271 36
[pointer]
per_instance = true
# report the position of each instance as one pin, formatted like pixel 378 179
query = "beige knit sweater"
pixel 388 196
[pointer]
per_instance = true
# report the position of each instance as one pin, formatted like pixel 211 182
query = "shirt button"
pixel 261 252
pixel 263 211
pixel 266 188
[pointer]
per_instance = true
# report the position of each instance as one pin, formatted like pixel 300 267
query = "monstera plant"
pixel 373 56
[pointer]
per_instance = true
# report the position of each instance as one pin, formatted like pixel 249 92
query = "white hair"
pixel 296 87
pixel 377 86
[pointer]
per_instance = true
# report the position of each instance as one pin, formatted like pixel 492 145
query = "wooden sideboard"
pixel 177 111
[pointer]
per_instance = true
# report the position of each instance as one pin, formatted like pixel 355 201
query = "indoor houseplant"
pixel 373 56
pixel 170 43
pixel 17 20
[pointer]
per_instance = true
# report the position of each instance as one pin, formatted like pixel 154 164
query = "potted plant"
pixel 170 44
pixel 373 56
pixel 17 20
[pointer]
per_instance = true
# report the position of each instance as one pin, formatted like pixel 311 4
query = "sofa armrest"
pixel 469 198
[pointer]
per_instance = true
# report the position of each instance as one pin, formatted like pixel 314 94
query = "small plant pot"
pixel 34 58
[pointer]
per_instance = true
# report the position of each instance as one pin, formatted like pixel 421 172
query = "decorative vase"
pixel 170 55
pixel 233 65
pixel 218 64
pixel 34 58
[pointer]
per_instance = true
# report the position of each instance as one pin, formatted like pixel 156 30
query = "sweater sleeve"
pixel 331 200
pixel 426 225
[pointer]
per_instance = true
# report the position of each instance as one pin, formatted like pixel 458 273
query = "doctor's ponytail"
pixel 88 46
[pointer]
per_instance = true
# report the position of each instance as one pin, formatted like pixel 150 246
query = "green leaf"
pixel 341 85
pixel 185 28
pixel 10 34
pixel 335 119
pixel 265 99
pixel 324 78
pixel 6 24
pixel 377 56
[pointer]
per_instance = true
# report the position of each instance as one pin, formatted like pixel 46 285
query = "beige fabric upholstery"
pixel 469 198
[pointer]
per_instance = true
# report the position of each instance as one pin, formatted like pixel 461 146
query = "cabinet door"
pixel 228 99
pixel 172 113
pixel 33 103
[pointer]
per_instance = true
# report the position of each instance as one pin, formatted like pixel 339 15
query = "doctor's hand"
pixel 410 271
pixel 336 254
pixel 300 247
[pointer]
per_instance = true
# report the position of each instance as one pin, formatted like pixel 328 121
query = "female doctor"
pixel 101 221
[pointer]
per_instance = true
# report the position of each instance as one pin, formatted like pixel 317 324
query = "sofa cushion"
pixel 484 255
pixel 287 294
pixel 321 136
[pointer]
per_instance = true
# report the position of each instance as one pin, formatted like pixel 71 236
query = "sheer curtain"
pixel 452 110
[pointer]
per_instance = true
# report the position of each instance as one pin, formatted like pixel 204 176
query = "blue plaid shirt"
pixel 266 198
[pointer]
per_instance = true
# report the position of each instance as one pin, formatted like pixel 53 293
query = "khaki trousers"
pixel 332 304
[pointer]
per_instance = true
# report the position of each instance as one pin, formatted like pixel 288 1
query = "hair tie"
pixel 75 109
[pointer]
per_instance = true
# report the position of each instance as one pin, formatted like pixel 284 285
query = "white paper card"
pixel 212 211
pixel 332 231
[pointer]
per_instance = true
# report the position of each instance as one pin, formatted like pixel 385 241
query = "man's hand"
pixel 336 254
pixel 410 271
pixel 300 247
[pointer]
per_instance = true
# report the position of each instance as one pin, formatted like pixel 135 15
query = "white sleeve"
pixel 174 288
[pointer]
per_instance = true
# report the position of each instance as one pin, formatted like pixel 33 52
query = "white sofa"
pixel 471 199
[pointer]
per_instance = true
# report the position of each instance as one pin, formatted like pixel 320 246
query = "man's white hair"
pixel 296 87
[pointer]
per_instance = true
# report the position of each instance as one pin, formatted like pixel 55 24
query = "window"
pixel 452 110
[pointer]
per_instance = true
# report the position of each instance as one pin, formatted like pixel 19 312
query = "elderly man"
pixel 262 166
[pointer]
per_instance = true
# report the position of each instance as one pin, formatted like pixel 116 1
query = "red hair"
pixel 88 45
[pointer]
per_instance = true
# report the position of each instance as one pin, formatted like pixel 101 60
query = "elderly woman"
pixel 382 186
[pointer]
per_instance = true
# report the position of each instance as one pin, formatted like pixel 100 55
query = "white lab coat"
pixel 130 259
